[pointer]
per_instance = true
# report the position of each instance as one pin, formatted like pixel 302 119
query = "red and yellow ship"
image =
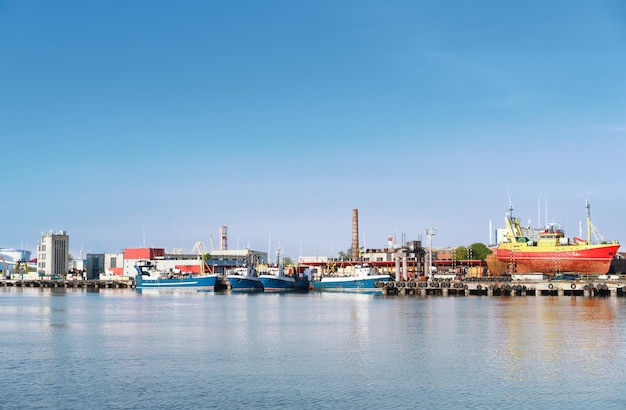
pixel 552 252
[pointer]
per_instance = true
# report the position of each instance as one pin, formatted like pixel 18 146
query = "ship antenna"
pixel 538 212
pixel 508 194
pixel 580 229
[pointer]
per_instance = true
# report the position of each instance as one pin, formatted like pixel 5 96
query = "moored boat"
pixel 243 279
pixel 148 277
pixel 364 278
pixel 552 252
pixel 275 280
pixel 277 283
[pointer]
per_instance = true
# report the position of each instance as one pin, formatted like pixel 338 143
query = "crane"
pixel 6 267
pixel 199 248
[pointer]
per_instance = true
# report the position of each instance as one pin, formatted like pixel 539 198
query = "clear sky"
pixel 131 123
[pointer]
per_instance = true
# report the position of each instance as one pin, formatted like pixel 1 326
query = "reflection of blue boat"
pixel 363 279
pixel 243 279
pixel 150 278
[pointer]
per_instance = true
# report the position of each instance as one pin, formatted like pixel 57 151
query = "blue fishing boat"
pixel 243 279
pixel 302 285
pixel 363 279
pixel 148 277
pixel 275 280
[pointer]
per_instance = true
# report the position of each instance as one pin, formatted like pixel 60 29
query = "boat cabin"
pixel 552 236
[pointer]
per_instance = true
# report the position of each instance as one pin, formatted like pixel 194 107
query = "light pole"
pixel 430 232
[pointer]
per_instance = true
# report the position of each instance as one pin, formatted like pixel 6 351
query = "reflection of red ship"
pixel 553 252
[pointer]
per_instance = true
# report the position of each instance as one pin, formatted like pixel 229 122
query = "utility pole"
pixel 430 232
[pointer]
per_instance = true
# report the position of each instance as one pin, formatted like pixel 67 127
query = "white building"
pixel 98 264
pixel 53 255
pixel 241 256
pixel 313 259
pixel 221 260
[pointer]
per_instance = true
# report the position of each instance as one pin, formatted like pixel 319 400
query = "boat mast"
pixel 278 263
pixel 588 221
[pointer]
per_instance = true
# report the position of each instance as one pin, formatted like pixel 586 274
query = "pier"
pixel 67 283
pixel 434 287
pixel 504 287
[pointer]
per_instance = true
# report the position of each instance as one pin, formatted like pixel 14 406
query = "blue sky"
pixel 155 122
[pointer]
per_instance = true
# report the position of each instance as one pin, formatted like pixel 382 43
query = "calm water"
pixel 121 349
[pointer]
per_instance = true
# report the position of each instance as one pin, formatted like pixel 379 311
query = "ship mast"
pixel 588 222
pixel 592 229
pixel 513 225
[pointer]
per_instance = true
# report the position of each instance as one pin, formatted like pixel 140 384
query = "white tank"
pixel 14 255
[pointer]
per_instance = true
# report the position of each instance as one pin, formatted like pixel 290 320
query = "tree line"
pixel 475 251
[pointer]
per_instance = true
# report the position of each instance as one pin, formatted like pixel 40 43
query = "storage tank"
pixel 14 255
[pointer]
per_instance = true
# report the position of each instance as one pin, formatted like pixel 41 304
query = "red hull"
pixel 593 259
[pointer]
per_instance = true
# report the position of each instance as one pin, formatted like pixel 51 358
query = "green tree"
pixel 345 256
pixel 479 251
pixel 460 253
pixel 287 261
pixel 474 251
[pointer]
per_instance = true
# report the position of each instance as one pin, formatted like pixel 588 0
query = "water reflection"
pixel 544 336
pixel 319 350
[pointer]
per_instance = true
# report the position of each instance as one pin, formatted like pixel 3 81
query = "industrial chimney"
pixel 355 234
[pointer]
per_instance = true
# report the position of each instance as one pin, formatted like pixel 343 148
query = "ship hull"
pixel 584 259
pixel 273 283
pixel 245 283
pixel 350 283
pixel 198 282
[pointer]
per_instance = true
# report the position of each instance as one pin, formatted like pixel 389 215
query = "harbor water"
pixel 121 349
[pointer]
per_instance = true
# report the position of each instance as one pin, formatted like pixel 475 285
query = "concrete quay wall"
pixel 67 283
pixel 588 288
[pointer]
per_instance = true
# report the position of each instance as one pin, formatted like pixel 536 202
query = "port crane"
pixel 212 244
pixel 199 248
pixel 6 267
